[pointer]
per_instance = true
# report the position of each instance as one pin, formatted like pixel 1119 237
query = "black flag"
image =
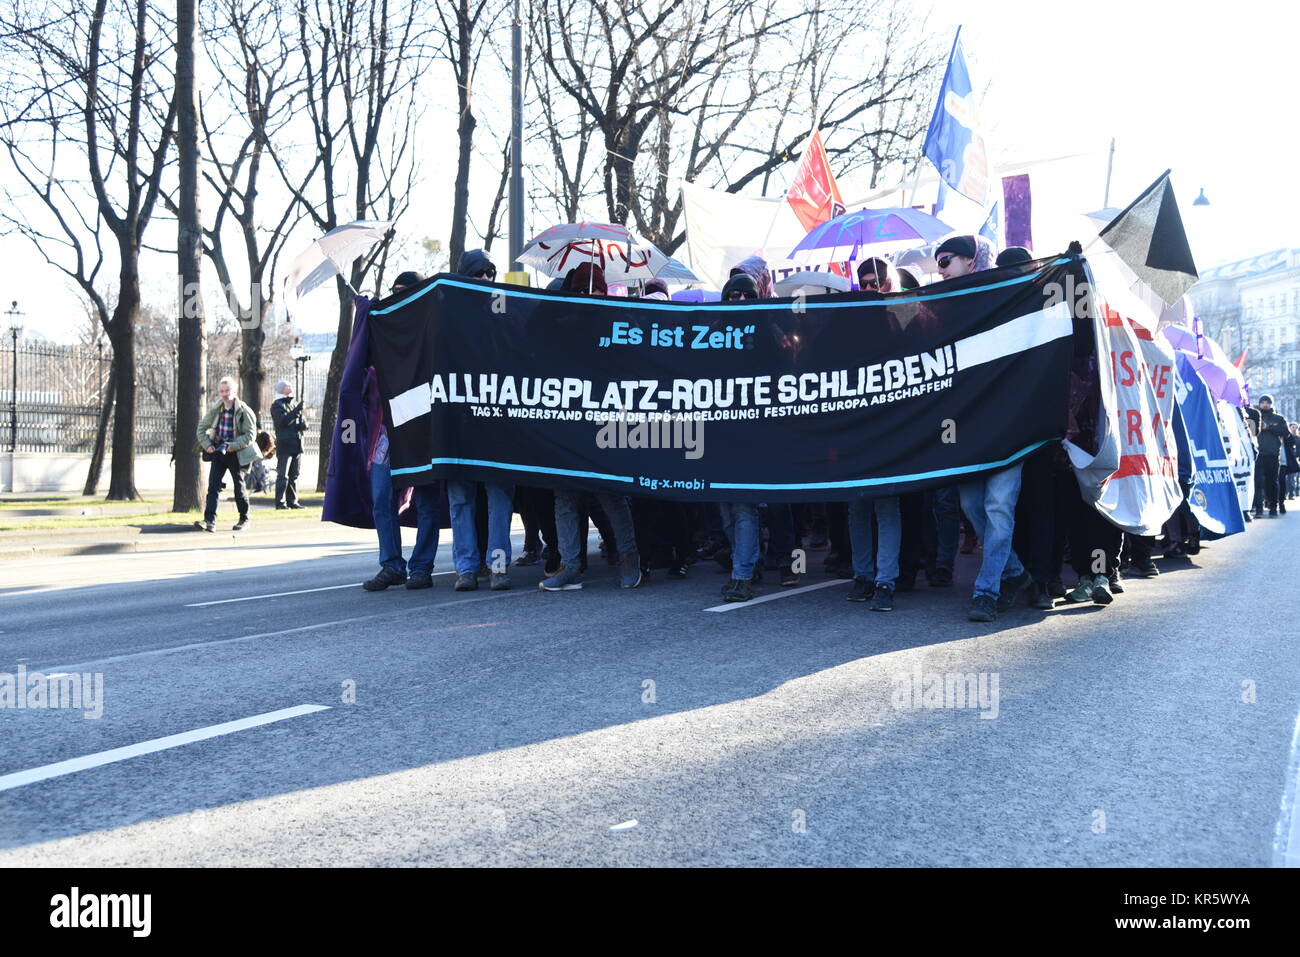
pixel 1150 238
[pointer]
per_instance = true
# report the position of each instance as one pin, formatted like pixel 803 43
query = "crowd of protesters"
pixel 1029 520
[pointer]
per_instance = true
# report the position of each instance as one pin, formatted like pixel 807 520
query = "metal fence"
pixel 55 401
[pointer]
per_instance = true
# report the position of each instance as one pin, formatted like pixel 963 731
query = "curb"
pixel 336 535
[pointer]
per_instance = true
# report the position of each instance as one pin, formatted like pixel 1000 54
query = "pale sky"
pixel 1204 89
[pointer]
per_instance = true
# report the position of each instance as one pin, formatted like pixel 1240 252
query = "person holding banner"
pixel 462 495
pixel 589 279
pixel 990 501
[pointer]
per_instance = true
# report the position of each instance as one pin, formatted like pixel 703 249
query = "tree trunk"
pixel 190 370
pixel 329 410
pixel 101 435
pixel 465 131
pixel 252 339
pixel 121 482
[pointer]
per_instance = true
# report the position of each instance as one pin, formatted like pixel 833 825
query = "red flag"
pixel 1241 359
pixel 813 195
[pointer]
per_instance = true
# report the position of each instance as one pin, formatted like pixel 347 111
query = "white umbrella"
pixel 332 254
pixel 813 282
pixel 621 259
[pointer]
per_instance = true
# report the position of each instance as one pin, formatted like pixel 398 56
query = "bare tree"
pixel 688 89
pixel 190 367
pixel 86 124
pixel 360 61
pixel 258 93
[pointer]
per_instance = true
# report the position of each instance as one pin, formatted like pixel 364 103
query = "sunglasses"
pixel 486 274
pixel 870 282
pixel 943 262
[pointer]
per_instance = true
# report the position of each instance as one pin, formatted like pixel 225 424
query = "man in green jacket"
pixel 226 436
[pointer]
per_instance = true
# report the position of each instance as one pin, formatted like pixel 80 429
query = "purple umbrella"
pixel 844 237
pixel 1222 378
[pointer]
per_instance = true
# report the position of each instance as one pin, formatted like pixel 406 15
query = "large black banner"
pixel 823 398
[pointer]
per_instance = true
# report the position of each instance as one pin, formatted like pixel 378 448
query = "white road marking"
pixel 281 594
pixel 20 778
pixel 197 645
pixel 1286 841
pixel 773 596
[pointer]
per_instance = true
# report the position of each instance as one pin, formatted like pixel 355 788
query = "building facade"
pixel 1253 306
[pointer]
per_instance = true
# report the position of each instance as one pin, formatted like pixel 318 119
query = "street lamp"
pixel 300 357
pixel 15 318
pixel 1201 200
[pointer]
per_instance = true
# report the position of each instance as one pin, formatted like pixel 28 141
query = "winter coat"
pixel 245 432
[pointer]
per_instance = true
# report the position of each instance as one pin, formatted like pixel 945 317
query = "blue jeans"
pixel 388 528
pixel 947 526
pixel 872 558
pixel 568 523
pixel 740 525
pixel 464 536
pixel 990 504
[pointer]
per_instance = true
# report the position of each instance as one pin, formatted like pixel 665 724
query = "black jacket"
pixel 1272 430
pixel 289 425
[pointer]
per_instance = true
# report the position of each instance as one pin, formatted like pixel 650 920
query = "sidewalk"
pixel 266 526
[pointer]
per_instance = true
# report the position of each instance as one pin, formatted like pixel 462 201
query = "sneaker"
pixel 280 506
pixel 983 608
pixel 295 506
pixel 528 558
pixel 629 571
pixel 1056 588
pixel 562 580
pixel 789 578
pixel 500 581
pixel 1272 513
pixel 1259 513
pixel 677 571
pixel 419 580
pixel 1010 590
pixel 1101 593
pixel 737 590
pixel 1082 591
pixel 466 581
pixel 1146 568
pixel 385 578
pixel 1039 597
pixel 206 526
pixel 942 578
pixel 1281 508
pixel 883 599
pixel 243 520
pixel 1116 583
pixel 863 589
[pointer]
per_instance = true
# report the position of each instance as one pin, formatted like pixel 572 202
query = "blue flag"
pixel 953 143
pixel 1214 493
pixel 992 228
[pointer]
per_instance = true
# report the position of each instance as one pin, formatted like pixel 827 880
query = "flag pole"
pixel 1110 165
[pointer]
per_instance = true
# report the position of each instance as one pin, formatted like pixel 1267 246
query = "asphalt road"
pixel 530 728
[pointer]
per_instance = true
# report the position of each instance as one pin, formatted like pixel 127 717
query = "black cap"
pixel 1013 255
pixel 742 283
pixel 958 245
pixel 1265 398
pixel 407 278
pixel 873 266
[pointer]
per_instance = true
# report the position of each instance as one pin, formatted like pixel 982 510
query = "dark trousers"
pixel 1042 514
pixel 663 532
pixel 837 526
pixel 1094 542
pixel 911 552
pixel 781 535
pixel 286 479
pixel 1266 473
pixel 221 464
pixel 536 507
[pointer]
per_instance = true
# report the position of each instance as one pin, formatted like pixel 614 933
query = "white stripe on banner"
pixel 411 404
pixel 1035 329
pixel 1026 332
